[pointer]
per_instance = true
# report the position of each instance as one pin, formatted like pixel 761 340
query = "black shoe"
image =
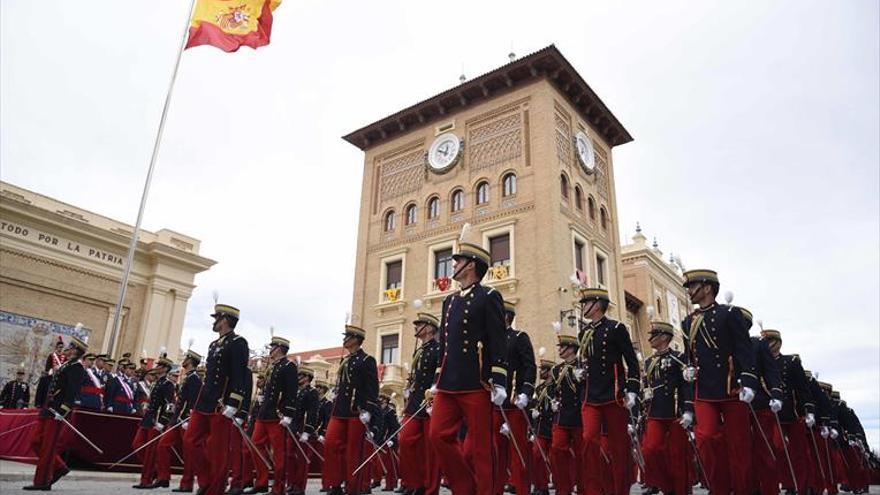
pixel 142 487
pixel 256 489
pixel 509 489
pixel 161 484
pixel 202 491
pixel 367 492
pixel 335 490
pixel 234 491
pixel 324 490
pixel 182 490
pixel 418 491
pixel 42 488
pixel 375 484
pixel 401 489
pixel 59 474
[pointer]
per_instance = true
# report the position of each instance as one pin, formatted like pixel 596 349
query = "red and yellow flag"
pixel 229 24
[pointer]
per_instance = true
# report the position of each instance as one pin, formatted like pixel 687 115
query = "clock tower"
pixel 524 154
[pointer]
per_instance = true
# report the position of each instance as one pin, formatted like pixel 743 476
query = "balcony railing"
pixel 499 271
pixel 391 295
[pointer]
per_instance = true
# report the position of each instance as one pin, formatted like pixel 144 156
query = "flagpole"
pixel 117 315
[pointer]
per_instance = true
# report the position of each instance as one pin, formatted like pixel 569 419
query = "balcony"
pixel 391 295
pixel 390 301
pixel 500 276
pixel 392 375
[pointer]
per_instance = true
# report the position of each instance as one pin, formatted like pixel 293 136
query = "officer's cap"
pixel 700 276
pixel 771 334
pixel 193 356
pixel 746 314
pixel 78 344
pixel 567 340
pixel 662 328
pixel 426 318
pixel 110 360
pixel 353 331
pixel 89 355
pixel 226 310
pixel 594 293
pixel 546 364
pixel 102 357
pixel 280 342
pixel 473 252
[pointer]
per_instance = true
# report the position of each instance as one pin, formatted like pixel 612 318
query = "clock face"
pixel 444 152
pixel 584 148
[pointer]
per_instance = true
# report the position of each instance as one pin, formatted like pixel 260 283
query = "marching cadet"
pixel 767 403
pixel 355 406
pixel 16 393
pixel 817 480
pixel 63 391
pixel 853 444
pixel 827 421
pixel 472 362
pixel 242 454
pixel 152 424
pixel 91 394
pixel 542 427
pixel 274 416
pixel 306 423
pixel 390 424
pixel 511 436
pixel 187 392
pixel 567 448
pixel 119 392
pixel 208 434
pixel 670 410
pixel 419 470
pixel 722 362
pixel 610 390
pixel 795 416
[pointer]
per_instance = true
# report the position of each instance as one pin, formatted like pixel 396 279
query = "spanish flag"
pixel 229 24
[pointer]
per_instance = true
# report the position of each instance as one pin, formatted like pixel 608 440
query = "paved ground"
pixel 14 475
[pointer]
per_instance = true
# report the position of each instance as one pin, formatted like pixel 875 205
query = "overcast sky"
pixel 756 148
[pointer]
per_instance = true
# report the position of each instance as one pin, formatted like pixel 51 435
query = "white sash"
pixel 92 377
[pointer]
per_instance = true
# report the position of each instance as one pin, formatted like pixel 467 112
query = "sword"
pixel 314 451
pixel 296 442
pixel 18 428
pixel 250 443
pixel 636 446
pixel 787 456
pixel 376 449
pixel 828 458
pixel 761 430
pixel 376 452
pixel 177 455
pixel 534 434
pixel 79 433
pixel 512 438
pixel 145 445
pixel 689 435
pixel 818 459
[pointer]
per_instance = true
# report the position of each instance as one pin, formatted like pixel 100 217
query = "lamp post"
pixel 569 315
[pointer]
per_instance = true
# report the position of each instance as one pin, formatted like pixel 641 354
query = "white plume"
pixel 216 296
pixel 728 296
pixel 761 324
pixel 465 232
pixel 189 343
pixel 417 304
pixel 347 318
pixel 299 361
pixel 557 326
pixel 541 351
pixel 271 331
pixel 816 375
pixel 393 395
pixel 651 312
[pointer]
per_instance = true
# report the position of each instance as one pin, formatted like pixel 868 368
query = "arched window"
pixel 578 198
pixel 457 201
pixel 482 193
pixel 509 184
pixel 433 208
pixel 411 214
pixel 591 207
pixel 389 221
pixel 563 186
pixel 603 218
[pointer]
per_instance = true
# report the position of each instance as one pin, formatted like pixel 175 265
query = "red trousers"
pixel 417 461
pixel 465 478
pixel 297 465
pixel 343 452
pixel 765 478
pixel 148 455
pixel 796 434
pixel 241 459
pixel 666 455
pixel 389 457
pixel 164 454
pixel 508 457
pixel 857 474
pixel 47 447
pixel 206 443
pixel 832 476
pixel 269 432
pixel 566 452
pixel 615 417
pixel 723 435
pixel 815 472
pixel 540 473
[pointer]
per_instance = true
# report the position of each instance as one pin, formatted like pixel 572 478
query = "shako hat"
pixel 280 342
pixel 771 334
pixel 77 344
pixel 89 355
pixel 467 248
pixel 193 356
pixel 700 276
pixel 662 328
pixel 226 310
pixel 593 293
pixel 567 341
pixel 353 331
pixel 426 318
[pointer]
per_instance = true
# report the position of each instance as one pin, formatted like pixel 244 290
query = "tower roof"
pixel 547 63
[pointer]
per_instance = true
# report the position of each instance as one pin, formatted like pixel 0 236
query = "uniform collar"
pixel 709 307
pixel 467 290
pixel 598 322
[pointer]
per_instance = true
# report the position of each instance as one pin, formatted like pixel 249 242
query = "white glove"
pixel 775 405
pixel 532 438
pixel 229 411
pixel 554 405
pixel 238 421
pixel 630 401
pixel 406 393
pixel 321 439
pixel 498 395
pixel 389 444
pixel 536 414
pixel 303 438
pixel 631 429
pixel 365 417
pixel 505 430
pixel 578 374
pixel 58 417
pixel 834 434
pixel 259 399
pixel 824 432
pixel 852 443
pixel 429 409
pixel 687 419
pixel 689 374
pixel 648 393
pixel 746 395
pixel 522 400
pixel 430 393
pixel 185 425
pixel 285 421
pixel 810 420
pixel 331 395
pixel 109 409
pixel 159 427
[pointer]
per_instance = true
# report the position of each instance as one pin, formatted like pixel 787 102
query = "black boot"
pixel 182 490
pixel 42 488
pixel 161 484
